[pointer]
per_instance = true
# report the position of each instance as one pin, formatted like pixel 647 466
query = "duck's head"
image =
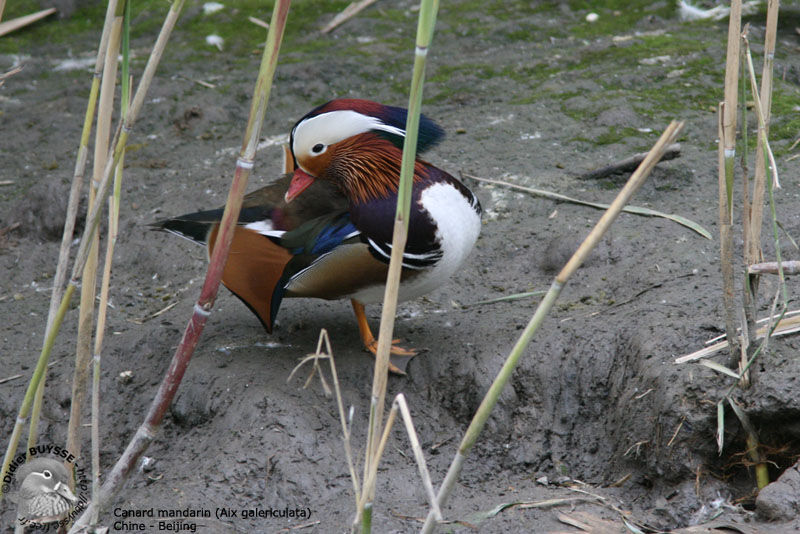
pixel 44 492
pixel 356 144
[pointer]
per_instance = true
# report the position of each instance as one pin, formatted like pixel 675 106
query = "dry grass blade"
pixel 20 22
pixel 506 298
pixel 720 368
pixel 349 12
pixel 636 210
pixel 401 405
pixel 762 116
pixel 328 355
pixel 400 401
pixel 787 325
pixel 772 267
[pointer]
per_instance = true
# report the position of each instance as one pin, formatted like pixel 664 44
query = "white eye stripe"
pixel 330 128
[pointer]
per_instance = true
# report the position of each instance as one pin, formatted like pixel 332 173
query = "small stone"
pixel 592 17
pixel 148 464
pixel 125 377
pixel 780 501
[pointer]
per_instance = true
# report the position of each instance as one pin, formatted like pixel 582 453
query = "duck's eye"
pixel 47 474
pixel 318 148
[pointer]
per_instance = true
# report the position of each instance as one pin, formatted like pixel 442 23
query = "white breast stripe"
pixel 458 224
pixel 411 260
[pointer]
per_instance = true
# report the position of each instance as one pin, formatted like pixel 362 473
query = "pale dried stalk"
pixel 753 241
pixel 328 354
pixel 727 155
pixel 83 353
pixel 753 213
pixel 349 12
pixel 113 216
pixel 401 405
pixel 60 277
pixel 771 267
pixel 504 375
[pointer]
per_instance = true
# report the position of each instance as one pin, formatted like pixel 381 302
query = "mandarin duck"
pixel 324 229
pixel 44 494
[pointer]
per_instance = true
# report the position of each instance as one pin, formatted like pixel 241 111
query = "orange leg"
pixel 402 355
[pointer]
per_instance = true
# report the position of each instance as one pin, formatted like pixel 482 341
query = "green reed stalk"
pixel 425 26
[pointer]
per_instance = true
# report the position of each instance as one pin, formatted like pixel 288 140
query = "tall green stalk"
pixel 425 26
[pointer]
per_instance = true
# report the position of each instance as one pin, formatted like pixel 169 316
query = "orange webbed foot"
pixel 398 356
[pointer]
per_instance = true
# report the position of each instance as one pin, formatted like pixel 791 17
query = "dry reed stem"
pixel 328 354
pixel 59 299
pixel 753 250
pixel 202 309
pixel 20 22
pixel 86 317
pixel 504 375
pixel 120 138
pixel 113 229
pixel 353 9
pixel 727 154
pixel 401 405
pixel 60 277
pixel 753 213
pixel 783 327
pixel 771 267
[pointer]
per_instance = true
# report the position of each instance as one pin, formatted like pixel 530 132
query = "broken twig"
pixel 771 267
pixel 629 164
pixel 349 12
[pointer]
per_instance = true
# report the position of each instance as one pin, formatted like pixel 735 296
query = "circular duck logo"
pixel 44 496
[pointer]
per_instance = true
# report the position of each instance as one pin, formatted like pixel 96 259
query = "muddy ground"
pixel 529 93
